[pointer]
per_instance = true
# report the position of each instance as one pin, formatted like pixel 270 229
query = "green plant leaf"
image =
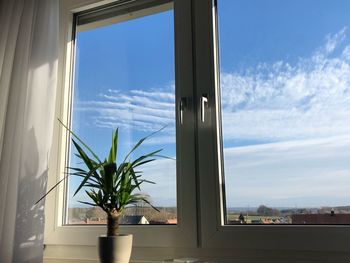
pixel 164 157
pixel 109 171
pixel 84 157
pixel 60 181
pixel 81 141
pixel 111 186
pixel 147 181
pixel 114 148
pixel 92 185
pixel 144 199
pixel 143 157
pixel 94 197
pixel 141 141
pixel 85 179
pixel 87 203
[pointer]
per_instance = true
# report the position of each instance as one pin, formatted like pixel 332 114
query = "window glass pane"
pixel 285 98
pixel 124 77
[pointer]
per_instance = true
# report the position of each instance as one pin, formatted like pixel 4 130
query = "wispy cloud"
pixel 332 41
pixel 142 110
pixel 302 110
pixel 281 101
pixel 287 174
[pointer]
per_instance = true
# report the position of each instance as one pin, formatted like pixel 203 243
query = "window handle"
pixel 204 104
pixel 182 106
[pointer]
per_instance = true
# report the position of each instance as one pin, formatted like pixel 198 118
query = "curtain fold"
pixel 28 79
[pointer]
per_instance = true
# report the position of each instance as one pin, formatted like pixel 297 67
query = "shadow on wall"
pixel 30 219
pixel 37 134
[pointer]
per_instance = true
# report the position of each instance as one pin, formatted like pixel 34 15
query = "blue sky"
pixel 285 84
pixel 125 78
pixel 256 31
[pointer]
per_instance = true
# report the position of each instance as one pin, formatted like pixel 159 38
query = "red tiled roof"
pixel 321 219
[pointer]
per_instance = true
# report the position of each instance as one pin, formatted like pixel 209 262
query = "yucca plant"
pixel 111 186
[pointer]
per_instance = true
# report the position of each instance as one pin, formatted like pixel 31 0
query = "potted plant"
pixel 111 187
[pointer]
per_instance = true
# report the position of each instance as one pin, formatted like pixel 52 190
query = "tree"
pixel 241 218
pixel 95 213
pixel 267 211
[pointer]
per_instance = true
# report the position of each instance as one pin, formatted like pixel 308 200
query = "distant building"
pixel 321 219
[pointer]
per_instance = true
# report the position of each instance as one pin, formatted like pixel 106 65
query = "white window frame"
pixel 201 231
pixel 184 234
pixel 213 230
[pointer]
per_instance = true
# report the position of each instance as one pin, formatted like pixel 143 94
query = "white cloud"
pixel 166 96
pixel 303 110
pixel 334 40
pixel 143 110
pixel 280 101
pixel 346 53
pixel 272 102
pixel 297 173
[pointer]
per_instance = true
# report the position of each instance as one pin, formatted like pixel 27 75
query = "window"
pixel 285 111
pixel 136 38
pixel 212 137
pixel 210 48
pixel 124 77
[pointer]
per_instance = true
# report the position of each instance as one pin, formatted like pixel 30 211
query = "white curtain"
pixel 28 72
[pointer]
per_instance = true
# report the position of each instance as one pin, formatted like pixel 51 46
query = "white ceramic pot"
pixel 115 249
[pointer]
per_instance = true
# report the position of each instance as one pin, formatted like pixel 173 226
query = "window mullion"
pixel 207 119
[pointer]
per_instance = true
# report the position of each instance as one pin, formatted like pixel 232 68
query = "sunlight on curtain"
pixel 28 71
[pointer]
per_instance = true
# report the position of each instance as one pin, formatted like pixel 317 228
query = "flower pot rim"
pixel 119 235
